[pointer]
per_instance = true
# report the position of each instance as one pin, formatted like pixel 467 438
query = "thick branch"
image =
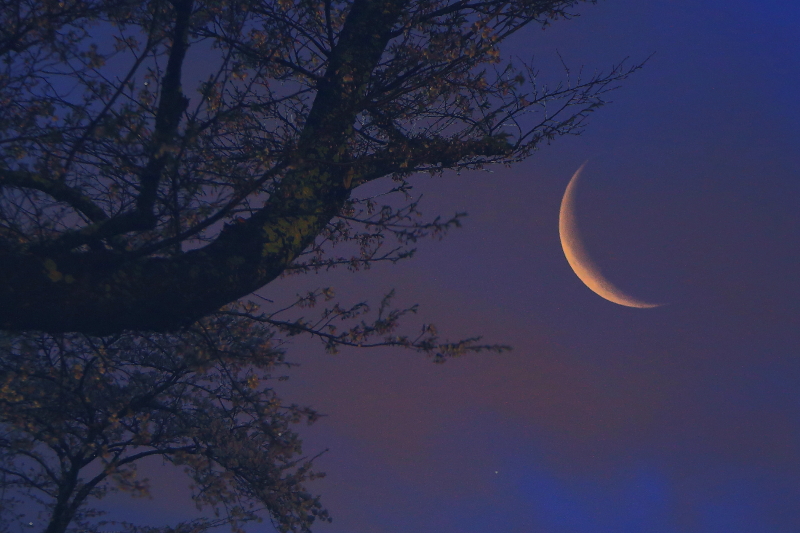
pixel 108 292
pixel 170 108
pixel 58 190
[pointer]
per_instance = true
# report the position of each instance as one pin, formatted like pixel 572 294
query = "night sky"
pixel 603 418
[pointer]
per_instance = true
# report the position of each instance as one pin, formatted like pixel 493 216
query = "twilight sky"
pixel 683 418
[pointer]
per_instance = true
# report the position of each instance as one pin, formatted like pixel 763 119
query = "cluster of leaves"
pixel 77 413
pixel 99 141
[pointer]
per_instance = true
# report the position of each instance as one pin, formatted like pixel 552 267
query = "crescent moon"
pixel 578 257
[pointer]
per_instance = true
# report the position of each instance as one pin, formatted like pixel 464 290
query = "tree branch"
pixel 110 291
pixel 58 190
pixel 171 106
pixel 409 156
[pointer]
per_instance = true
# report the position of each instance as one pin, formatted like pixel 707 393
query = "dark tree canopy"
pixel 78 414
pixel 163 158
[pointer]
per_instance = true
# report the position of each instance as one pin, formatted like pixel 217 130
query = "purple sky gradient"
pixel 684 418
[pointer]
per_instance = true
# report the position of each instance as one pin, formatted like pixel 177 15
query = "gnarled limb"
pixel 107 291
pixel 56 189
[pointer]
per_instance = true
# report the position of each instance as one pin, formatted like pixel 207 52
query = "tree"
pixel 136 198
pixel 78 414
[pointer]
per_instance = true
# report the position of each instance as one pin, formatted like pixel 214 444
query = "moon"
pixel 578 257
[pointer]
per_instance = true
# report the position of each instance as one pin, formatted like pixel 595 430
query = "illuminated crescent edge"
pixel 577 256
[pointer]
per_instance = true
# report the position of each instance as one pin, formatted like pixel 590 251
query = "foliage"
pixel 161 159
pixel 77 413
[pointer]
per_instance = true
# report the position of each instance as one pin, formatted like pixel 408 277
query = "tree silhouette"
pixel 79 413
pixel 162 159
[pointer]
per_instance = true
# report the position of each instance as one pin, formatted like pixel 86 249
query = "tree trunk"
pixel 64 510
